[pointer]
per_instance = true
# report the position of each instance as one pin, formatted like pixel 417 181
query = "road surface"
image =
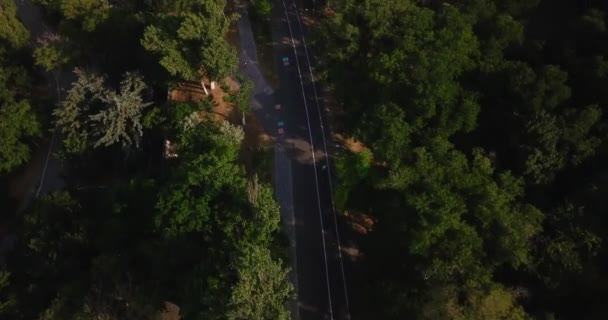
pixel 293 115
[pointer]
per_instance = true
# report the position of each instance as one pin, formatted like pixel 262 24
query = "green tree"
pixel 49 58
pixel 262 287
pixel 206 172
pixel 266 215
pixel 50 54
pixel 19 124
pixel 7 302
pixel 88 14
pixel 400 53
pixel 351 169
pixel 193 44
pixel 479 304
pixel 11 29
pixel 498 303
pixel 388 131
pixel 262 9
pixel 544 158
pixel 52 227
pixel 441 185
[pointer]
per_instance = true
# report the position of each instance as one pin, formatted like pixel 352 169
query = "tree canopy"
pixel 93 115
pixel 19 122
pixel 11 29
pixel 133 231
pixel 192 42
pixel 483 128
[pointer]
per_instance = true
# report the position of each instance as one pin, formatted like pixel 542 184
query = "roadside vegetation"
pixel 260 12
pixel 486 127
pixel 21 122
pixel 159 217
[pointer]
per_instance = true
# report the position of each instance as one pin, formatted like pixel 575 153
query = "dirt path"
pixel 43 173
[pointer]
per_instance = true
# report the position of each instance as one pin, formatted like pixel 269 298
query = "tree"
pixel 537 124
pixel 88 14
pixel 71 117
pixel 566 246
pixel 120 121
pixel 388 131
pixel 241 97
pixel 487 128
pixel 19 124
pixel 262 9
pixel 11 29
pixel 544 158
pixel 351 169
pixel 50 54
pixel 261 289
pixel 7 302
pixel 206 172
pixel 479 303
pixel 405 55
pixel 265 217
pixel 193 44
pixel 497 303
pixel 441 186
pixel 173 58
pixel 449 220
pixel 49 58
pixel 92 115
pixel 52 226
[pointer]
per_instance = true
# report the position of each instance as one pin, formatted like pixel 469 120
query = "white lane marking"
pixel 331 192
pixel 314 161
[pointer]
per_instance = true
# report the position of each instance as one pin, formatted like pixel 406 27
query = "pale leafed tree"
pixel 230 135
pixel 72 115
pixel 93 115
pixel 120 120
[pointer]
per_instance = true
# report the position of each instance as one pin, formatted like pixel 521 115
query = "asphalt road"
pixel 320 272
pixel 301 173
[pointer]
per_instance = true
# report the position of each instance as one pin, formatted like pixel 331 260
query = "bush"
pixel 262 9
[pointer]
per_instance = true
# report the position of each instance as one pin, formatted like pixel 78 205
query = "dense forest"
pixel 138 231
pixel 486 166
pixel 484 169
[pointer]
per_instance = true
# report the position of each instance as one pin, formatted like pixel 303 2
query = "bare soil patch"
pixel 360 222
pixel 255 135
pixel 349 143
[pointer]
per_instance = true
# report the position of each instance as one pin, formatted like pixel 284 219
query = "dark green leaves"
pixel 11 29
pixel 193 44
pixel 19 124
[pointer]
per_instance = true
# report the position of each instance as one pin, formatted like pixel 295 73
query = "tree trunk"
pixel 204 87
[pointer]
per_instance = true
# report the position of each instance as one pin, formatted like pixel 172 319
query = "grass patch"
pixel 262 32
